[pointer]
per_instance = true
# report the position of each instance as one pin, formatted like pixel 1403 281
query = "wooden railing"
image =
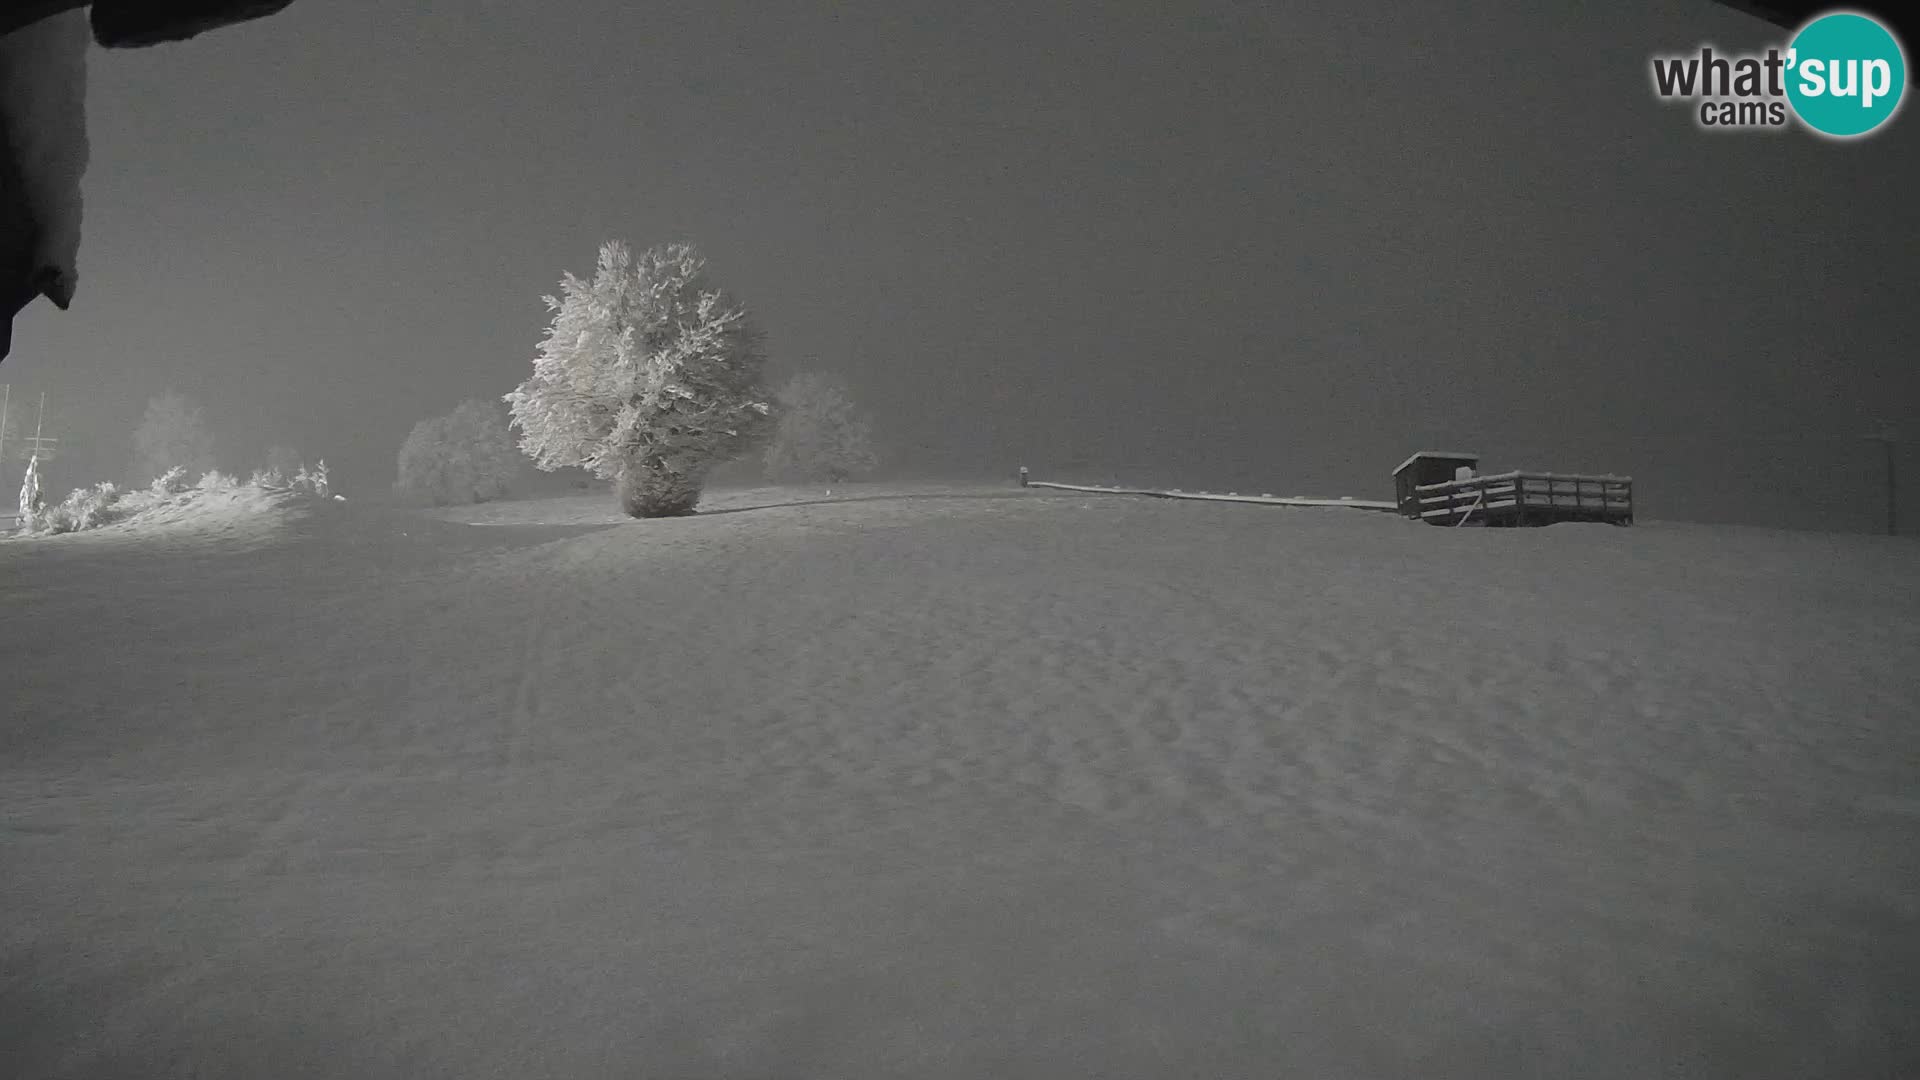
pixel 1521 495
pixel 1213 496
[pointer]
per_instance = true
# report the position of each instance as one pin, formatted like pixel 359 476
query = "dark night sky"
pixel 1267 246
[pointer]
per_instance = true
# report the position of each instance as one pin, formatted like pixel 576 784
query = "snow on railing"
pixel 1520 491
pixel 1522 474
pixel 1210 496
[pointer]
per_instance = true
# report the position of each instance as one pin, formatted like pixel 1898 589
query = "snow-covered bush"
pixel 648 376
pixel 83 508
pixel 107 504
pixel 171 482
pixel 299 479
pixel 820 435
pixel 467 456
pixel 311 481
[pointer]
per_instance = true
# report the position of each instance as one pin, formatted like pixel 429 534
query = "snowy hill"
pixel 996 783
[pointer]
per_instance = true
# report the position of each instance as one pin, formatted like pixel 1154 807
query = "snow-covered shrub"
pixel 171 482
pixel 649 376
pixel 298 479
pixel 283 466
pixel 467 456
pixel 83 508
pixel 311 481
pixel 106 504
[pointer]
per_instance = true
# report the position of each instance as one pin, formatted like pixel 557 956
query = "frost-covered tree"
pixel 32 502
pixel 820 434
pixel 171 433
pixel 467 456
pixel 649 376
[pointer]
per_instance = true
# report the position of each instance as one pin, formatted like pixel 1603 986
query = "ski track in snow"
pixel 974 784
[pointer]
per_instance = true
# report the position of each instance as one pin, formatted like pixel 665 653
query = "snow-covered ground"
pixel 995 784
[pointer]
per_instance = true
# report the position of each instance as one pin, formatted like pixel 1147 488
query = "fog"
pixel 1237 245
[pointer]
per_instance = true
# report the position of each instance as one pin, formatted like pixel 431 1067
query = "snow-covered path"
pixel 1040 785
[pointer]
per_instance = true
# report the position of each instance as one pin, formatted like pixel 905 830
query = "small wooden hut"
pixel 1423 468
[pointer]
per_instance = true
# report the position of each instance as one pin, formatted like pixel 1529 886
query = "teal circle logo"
pixel 1846 75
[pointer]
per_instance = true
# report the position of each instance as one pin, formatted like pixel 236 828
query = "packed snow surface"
pixel 957 784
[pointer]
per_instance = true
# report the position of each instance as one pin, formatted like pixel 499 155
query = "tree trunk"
pixel 650 489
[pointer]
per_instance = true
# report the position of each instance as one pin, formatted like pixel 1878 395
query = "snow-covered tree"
pixel 467 456
pixel 820 434
pixel 171 433
pixel 648 376
pixel 32 502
